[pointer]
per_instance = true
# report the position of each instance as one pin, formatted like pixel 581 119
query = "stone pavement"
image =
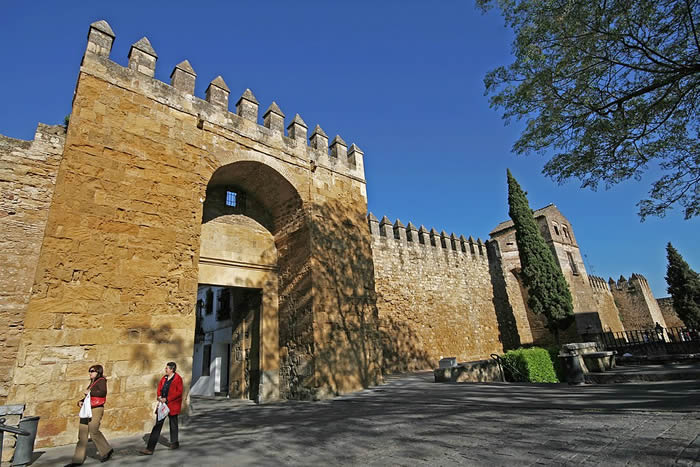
pixel 412 421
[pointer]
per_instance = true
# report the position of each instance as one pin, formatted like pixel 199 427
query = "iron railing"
pixel 508 371
pixel 654 341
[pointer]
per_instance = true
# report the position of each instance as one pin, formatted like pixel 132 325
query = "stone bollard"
pixel 10 415
pixel 574 371
pixel 24 449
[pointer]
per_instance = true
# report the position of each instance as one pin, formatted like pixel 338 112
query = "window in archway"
pixel 206 360
pixel 231 198
pixel 223 311
pixel 209 302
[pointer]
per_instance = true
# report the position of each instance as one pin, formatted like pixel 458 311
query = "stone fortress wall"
pixel 604 303
pixel 669 313
pixel 109 227
pixel 636 303
pixel 27 179
pixel 118 263
pixel 434 296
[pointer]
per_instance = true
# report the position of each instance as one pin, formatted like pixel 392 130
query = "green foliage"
pixel 684 287
pixel 533 365
pixel 548 292
pixel 612 86
pixel 559 369
pixel 66 120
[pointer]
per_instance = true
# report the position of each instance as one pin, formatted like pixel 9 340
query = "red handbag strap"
pixel 95 382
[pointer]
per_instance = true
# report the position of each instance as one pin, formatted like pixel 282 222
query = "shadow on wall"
pixel 588 323
pixel 296 330
pixel 346 320
pixel 168 347
pixel 401 349
pixel 507 325
pixel 541 335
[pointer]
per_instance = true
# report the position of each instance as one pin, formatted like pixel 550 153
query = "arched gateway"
pixel 248 213
pixel 167 206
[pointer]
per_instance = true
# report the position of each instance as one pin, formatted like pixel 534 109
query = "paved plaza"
pixel 411 420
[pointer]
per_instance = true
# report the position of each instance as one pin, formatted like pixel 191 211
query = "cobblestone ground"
pixel 413 421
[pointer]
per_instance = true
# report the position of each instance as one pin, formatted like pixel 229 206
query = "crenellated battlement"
pixel 213 110
pixel 411 236
pixel 598 284
pixel 629 284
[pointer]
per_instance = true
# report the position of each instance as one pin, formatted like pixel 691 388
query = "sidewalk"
pixel 412 421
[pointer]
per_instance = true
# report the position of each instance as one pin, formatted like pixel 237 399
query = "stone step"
pixel 640 373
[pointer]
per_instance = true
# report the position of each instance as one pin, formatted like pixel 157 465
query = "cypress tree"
pixel 684 287
pixel 548 292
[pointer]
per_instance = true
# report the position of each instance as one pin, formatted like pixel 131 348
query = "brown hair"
pixel 98 369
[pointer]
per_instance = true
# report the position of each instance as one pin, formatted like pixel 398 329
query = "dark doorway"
pixel 245 352
pixel 226 359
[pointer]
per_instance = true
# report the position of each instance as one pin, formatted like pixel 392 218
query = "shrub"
pixel 559 369
pixel 532 365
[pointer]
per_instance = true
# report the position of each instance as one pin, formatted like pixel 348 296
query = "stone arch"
pixel 294 175
pixel 261 241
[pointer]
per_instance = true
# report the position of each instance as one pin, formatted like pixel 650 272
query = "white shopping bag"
pixel 162 410
pixel 86 409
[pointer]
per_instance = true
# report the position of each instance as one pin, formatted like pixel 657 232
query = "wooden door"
pixel 245 347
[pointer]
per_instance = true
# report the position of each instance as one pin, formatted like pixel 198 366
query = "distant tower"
pixel 635 300
pixel 593 303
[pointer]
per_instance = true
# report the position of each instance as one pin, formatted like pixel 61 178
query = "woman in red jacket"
pixel 170 393
pixel 98 396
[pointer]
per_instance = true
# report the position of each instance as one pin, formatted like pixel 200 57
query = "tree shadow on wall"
pixel 348 352
pixel 168 347
pixel 296 331
pixel 507 325
pixel 400 348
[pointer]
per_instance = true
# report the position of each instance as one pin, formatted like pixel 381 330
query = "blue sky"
pixel 401 79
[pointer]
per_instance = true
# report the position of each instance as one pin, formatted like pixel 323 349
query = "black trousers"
pixel 155 432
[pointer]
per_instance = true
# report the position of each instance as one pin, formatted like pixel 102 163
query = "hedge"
pixel 559 369
pixel 533 365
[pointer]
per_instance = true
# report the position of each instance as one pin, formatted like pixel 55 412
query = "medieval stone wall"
pixel 344 310
pixel 506 269
pixel 604 305
pixel 669 313
pixel 636 303
pixel 28 172
pixel 104 268
pixel 434 296
pixel 116 280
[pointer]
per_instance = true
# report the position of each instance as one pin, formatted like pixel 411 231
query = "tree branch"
pixel 692 24
pixel 649 88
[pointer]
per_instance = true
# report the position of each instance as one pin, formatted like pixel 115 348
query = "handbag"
pixel 86 408
pixel 162 410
